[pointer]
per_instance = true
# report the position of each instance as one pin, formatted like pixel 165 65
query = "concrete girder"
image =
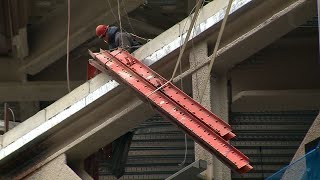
pixel 249 38
pixel 277 21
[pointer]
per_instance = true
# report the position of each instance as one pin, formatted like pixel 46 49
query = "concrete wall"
pixel 214 99
pixel 289 63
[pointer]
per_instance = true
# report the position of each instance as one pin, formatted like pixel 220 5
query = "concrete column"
pixel 56 169
pixel 78 168
pixel 28 109
pixel 20 44
pixel 219 106
pixel 214 99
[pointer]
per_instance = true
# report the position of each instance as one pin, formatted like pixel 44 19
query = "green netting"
pixel 305 168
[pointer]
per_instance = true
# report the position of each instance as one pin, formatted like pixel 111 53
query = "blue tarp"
pixel 305 168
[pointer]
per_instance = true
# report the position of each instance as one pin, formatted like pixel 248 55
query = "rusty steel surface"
pixel 205 127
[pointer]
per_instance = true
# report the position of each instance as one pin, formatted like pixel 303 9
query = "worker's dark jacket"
pixel 123 40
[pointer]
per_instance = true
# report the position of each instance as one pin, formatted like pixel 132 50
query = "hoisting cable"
pixel 195 16
pixel 117 19
pixel 216 49
pixel 128 19
pixel 119 16
pixel 181 81
pixel 68 46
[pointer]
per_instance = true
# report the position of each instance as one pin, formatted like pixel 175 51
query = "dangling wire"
pixel 12 113
pixel 117 21
pixel 114 15
pixel 181 87
pixel 119 16
pixel 126 13
pixel 181 80
pixel 68 42
pixel 185 135
pixel 10 22
pixel 196 13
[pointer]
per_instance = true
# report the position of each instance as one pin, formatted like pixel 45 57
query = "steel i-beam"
pixel 206 128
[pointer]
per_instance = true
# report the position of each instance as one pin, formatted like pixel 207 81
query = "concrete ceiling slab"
pixel 48 39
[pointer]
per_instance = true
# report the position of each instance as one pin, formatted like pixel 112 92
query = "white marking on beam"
pixel 151 59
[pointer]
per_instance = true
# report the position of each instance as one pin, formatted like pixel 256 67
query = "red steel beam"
pixel 138 77
pixel 206 117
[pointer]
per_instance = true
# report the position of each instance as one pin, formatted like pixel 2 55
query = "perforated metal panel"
pixel 156 151
pixel 269 139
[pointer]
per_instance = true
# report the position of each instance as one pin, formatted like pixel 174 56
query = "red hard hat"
pixel 101 30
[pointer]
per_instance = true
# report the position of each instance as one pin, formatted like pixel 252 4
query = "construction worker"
pixel 120 146
pixel 115 38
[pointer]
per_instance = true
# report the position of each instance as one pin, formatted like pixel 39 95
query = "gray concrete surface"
pixel 171 35
pixel 23 128
pixel 269 20
pixel 20 44
pixel 28 109
pixel 78 168
pixel 214 99
pixel 56 169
